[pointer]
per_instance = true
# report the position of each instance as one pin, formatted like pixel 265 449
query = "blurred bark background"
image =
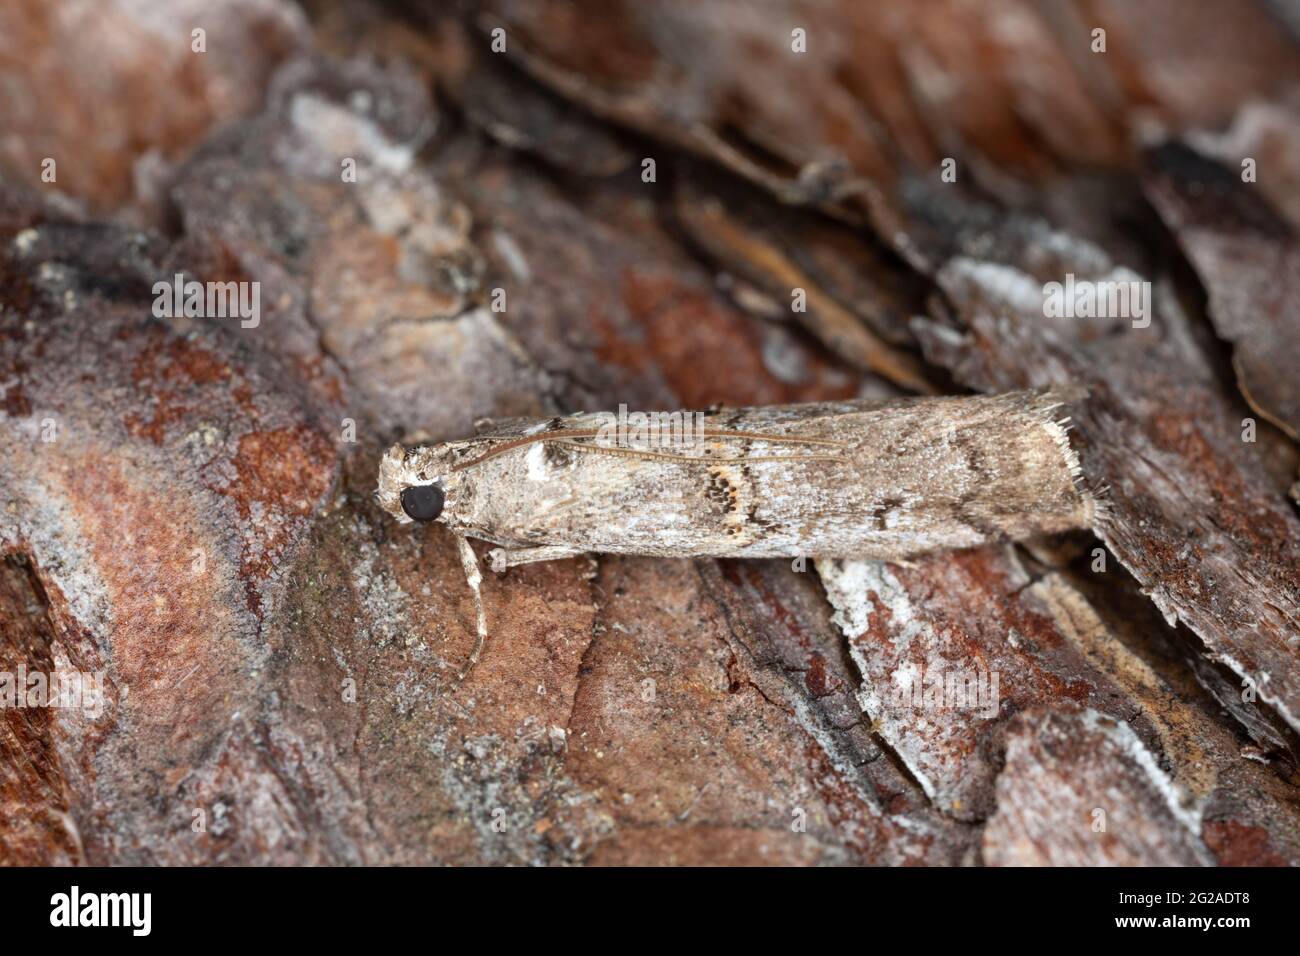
pixel 185 504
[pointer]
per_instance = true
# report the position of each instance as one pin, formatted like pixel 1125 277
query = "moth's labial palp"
pixel 422 502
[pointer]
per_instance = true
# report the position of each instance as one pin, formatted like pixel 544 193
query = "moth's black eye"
pixel 422 502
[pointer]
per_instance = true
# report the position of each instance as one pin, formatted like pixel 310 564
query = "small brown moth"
pixel 858 479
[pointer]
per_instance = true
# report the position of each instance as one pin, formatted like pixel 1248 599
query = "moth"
pixel 887 480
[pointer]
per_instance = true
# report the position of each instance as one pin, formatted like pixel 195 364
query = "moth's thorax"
pixel 501 499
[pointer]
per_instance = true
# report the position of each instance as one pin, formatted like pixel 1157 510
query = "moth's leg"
pixel 474 579
pixel 501 558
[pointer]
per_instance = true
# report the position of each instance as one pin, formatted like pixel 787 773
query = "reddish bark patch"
pixel 710 353
pixel 33 801
pixel 173 626
pixel 287 469
pixel 15 402
pixel 170 371
pixel 1236 844
pixel 818 680
pixel 282 475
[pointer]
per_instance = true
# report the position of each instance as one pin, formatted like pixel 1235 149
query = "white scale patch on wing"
pixel 536 461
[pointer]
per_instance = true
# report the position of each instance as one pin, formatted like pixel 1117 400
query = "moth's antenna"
pixel 690 459
pixel 565 434
pixel 474 578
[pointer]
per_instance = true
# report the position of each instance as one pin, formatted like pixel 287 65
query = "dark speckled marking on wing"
pixel 734 492
pixel 558 454
pixel 720 492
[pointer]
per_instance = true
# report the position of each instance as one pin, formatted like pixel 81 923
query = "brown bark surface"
pixel 186 504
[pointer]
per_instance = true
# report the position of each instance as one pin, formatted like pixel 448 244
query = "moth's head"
pixel 417 484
